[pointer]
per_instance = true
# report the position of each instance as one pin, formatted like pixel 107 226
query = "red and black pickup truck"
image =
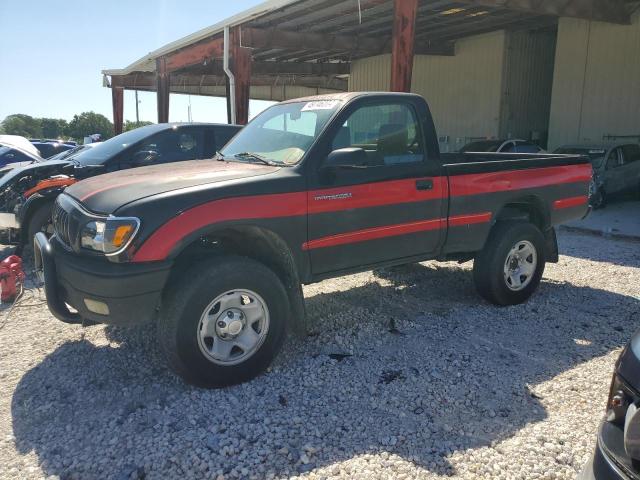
pixel 312 188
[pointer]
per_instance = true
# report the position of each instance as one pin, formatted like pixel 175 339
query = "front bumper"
pixel 602 465
pixel 130 291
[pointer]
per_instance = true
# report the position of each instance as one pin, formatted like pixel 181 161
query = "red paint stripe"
pixel 570 202
pixel 374 233
pixel 461 220
pixel 476 184
pixel 395 230
pixel 374 195
pixel 160 244
pixel 163 240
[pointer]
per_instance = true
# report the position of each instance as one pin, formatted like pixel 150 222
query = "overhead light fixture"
pixel 452 11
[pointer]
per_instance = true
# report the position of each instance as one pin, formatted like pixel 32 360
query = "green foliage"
pixel 24 125
pixel 130 125
pixel 53 127
pixel 88 123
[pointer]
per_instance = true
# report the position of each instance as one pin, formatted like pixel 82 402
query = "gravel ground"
pixel 407 375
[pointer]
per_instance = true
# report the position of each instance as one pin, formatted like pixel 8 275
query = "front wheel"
pixel 40 221
pixel 223 322
pixel 509 268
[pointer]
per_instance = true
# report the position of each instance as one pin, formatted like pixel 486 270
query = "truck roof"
pixel 346 96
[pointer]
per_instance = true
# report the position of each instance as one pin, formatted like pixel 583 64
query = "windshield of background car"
pixel 285 132
pixel 107 150
pixel 596 155
pixel 483 146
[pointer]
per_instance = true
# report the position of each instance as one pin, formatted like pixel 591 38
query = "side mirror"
pixel 144 157
pixel 351 157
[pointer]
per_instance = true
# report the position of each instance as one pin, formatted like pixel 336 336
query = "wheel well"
pixel 34 203
pixel 530 209
pixel 258 244
pixel 533 210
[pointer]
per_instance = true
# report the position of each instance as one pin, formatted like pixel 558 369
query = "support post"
pixel 162 90
pixel 402 44
pixel 117 99
pixel 240 64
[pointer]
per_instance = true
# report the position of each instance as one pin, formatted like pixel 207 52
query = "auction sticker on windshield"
pixel 320 105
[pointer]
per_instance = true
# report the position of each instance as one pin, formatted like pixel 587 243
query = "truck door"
pixel 390 206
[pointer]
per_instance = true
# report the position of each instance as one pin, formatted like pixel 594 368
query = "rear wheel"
pixel 509 268
pixel 223 322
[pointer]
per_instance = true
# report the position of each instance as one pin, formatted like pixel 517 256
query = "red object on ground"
pixel 11 277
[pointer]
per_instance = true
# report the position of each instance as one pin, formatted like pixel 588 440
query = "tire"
pixel 191 303
pixel 490 267
pixel 40 221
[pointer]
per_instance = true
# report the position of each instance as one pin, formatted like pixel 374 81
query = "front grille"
pixel 61 220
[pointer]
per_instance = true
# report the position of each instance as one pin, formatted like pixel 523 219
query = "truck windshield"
pixel 283 133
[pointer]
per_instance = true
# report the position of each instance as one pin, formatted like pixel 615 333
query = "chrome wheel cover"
pixel 233 327
pixel 520 265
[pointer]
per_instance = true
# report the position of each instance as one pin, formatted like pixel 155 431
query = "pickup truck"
pixel 216 251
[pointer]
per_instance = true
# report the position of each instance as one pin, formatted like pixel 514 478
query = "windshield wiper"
pixel 260 158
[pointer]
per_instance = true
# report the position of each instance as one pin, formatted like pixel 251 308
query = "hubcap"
pixel 520 265
pixel 233 327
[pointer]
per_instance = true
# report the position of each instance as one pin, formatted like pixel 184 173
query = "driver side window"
pixel 169 146
pixel 388 133
pixel 615 159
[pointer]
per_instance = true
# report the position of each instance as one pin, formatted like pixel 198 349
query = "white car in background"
pixel 20 142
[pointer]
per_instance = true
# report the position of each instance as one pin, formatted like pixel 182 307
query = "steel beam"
pixel 402 44
pixel 195 54
pixel 241 68
pixel 117 100
pixel 163 82
pixel 613 11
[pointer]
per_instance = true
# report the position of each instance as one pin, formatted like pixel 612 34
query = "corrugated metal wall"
pixel 463 91
pixel 596 85
pixel 528 81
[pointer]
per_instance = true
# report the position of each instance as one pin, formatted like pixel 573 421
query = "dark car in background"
pixel 48 149
pixel 616 169
pixel 27 193
pixel 617 453
pixel 502 146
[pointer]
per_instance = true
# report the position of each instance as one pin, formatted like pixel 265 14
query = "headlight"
pixel 110 235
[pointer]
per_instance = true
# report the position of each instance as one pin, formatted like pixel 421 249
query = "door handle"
pixel 426 184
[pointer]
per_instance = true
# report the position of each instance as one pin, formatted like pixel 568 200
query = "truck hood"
pixel 104 194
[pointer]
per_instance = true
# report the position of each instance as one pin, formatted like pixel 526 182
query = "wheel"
pixel 223 322
pixel 509 268
pixel 40 221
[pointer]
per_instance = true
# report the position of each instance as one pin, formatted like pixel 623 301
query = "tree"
pixel 53 127
pixel 21 124
pixel 88 123
pixel 130 125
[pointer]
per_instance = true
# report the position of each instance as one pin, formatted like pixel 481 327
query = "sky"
pixel 52 53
